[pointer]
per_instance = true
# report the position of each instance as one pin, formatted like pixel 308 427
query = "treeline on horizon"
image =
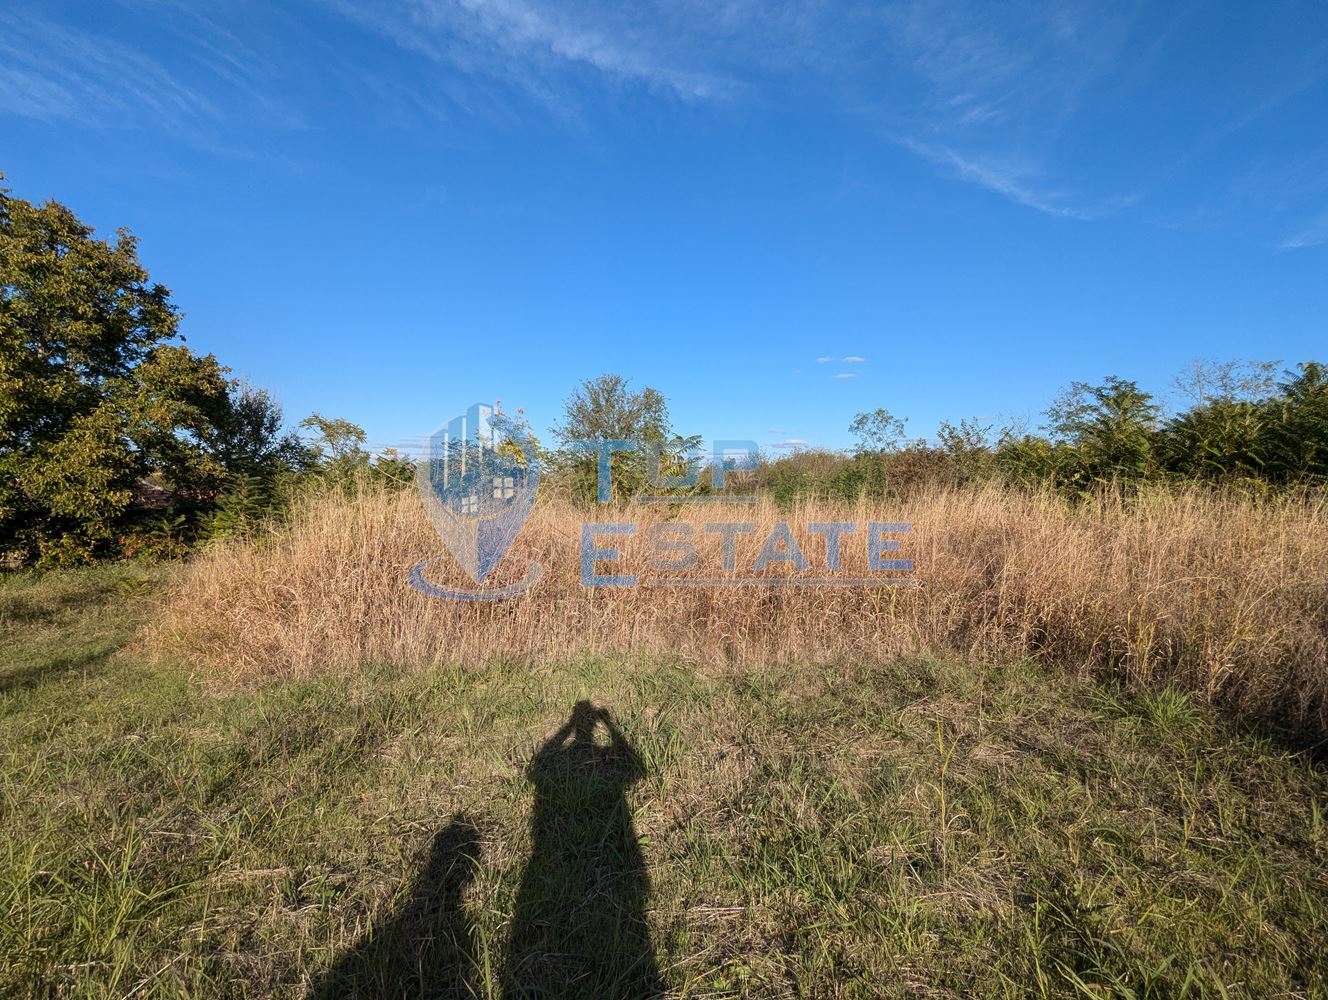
pixel 1245 429
pixel 117 440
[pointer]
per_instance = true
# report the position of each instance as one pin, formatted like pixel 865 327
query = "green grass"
pixel 910 829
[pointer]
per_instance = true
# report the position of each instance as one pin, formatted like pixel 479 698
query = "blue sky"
pixel 388 210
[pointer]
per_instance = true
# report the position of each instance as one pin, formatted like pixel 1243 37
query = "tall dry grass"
pixel 1223 597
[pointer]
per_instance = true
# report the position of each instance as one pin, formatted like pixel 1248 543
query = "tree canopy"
pixel 100 399
pixel 607 408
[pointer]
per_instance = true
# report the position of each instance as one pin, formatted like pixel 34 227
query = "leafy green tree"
pixel 337 454
pixel 606 408
pixel 878 431
pixel 968 449
pixel 1297 432
pixel 1113 426
pixel 1219 440
pixel 334 440
pixel 337 449
pixel 249 442
pixel 392 466
pixel 263 464
pixel 510 426
pixel 97 396
pixel 1031 461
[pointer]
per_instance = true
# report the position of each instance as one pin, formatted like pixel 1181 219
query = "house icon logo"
pixel 478 479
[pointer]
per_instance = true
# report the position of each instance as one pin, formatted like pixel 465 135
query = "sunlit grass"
pixel 917 827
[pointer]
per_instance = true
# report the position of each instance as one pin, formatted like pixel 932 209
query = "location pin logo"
pixel 478 479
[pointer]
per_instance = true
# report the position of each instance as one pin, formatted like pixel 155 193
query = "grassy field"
pixel 606 827
pixel 1213 594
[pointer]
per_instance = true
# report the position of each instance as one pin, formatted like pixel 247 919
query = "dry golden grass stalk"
pixel 1223 597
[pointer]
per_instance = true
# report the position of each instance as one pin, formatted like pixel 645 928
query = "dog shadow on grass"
pixel 579 924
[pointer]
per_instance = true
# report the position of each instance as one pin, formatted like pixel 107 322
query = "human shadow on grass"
pixel 427 948
pixel 579 925
pixel 579 928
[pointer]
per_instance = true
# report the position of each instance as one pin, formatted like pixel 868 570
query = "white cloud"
pixel 846 375
pixel 995 84
pixel 824 360
pixel 1315 234
pixel 994 95
pixel 1010 180
pixel 32 95
pixel 529 42
pixel 201 77
pixel 57 72
pixel 790 443
pixel 853 359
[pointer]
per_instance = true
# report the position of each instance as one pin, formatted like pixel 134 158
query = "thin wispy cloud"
pixel 993 84
pixel 1049 107
pixel 1003 97
pixel 53 72
pixel 845 375
pixel 825 359
pixel 1012 182
pixel 790 443
pixel 1054 107
pixel 853 359
pixel 1313 235
pixel 161 65
pixel 531 42
pixel 957 70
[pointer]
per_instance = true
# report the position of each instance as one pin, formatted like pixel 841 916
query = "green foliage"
pixel 392 466
pixel 814 473
pixel 166 536
pixel 1222 440
pixel 968 448
pixel 101 404
pixel 248 440
pixel 797 474
pixel 1112 425
pixel 1031 461
pixel 1297 439
pixel 335 442
pixel 251 501
pixel 606 408
pixel 508 426
pixel 336 457
pixel 878 431
pixel 1242 430
pixel 95 395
